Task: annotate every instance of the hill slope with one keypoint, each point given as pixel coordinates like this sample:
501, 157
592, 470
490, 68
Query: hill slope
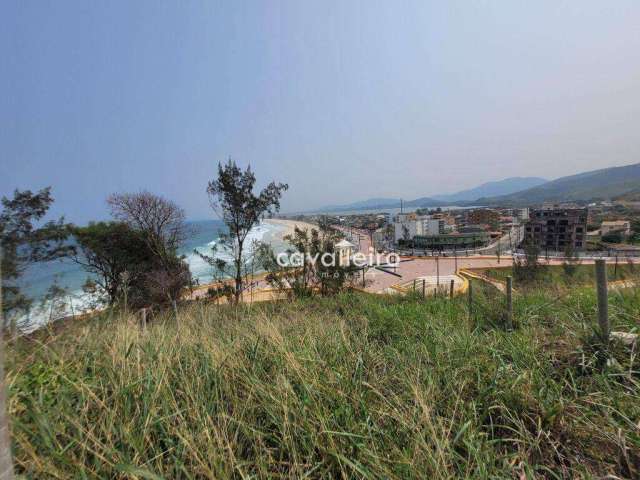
353, 386
493, 189
596, 184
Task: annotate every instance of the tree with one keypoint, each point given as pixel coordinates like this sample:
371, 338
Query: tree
571, 261
23, 242
613, 237
232, 198
161, 223
306, 271
529, 269
117, 256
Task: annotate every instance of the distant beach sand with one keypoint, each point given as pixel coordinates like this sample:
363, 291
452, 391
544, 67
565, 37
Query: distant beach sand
288, 226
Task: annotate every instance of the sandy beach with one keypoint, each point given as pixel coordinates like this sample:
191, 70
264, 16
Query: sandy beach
288, 226
275, 238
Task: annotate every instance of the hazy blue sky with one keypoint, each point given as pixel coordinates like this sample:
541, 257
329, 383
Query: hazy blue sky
342, 100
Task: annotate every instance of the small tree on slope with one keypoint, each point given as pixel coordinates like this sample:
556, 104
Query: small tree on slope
232, 198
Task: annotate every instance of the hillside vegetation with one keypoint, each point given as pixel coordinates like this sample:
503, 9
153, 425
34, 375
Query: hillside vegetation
598, 184
353, 386
492, 189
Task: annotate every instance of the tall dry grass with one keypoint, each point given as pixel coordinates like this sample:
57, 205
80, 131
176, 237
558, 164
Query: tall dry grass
353, 386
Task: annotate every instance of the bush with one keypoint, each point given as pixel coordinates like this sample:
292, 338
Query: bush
613, 237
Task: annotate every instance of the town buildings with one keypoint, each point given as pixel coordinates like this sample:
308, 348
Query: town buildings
409, 225
479, 216
556, 228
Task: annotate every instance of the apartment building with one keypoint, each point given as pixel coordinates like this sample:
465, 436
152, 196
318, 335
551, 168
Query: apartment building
555, 228
410, 225
480, 216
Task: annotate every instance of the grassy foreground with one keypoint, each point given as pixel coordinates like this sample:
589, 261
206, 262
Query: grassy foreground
584, 275
355, 386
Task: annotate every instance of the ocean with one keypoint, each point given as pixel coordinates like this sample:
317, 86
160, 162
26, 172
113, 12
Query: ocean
70, 276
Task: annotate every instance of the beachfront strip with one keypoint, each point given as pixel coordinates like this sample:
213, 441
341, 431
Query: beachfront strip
412, 272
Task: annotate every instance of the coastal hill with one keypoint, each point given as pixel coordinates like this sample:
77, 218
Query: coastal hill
492, 189
489, 189
604, 183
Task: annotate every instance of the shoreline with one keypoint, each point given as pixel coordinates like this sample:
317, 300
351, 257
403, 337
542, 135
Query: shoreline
288, 226
275, 238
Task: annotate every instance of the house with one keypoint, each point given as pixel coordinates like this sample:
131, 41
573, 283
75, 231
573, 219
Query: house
615, 226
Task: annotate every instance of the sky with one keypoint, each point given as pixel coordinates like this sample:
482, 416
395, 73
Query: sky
343, 100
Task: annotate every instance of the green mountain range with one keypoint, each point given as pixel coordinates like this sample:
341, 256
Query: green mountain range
600, 184
492, 189
605, 183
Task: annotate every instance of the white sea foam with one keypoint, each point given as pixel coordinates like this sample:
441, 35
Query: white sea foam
78, 301
203, 272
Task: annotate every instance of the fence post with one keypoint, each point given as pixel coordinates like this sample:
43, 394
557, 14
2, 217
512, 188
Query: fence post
6, 461
603, 301
414, 284
509, 303
451, 290
470, 291
143, 318
424, 286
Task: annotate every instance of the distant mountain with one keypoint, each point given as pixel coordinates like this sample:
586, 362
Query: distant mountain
382, 203
605, 183
370, 204
425, 202
492, 189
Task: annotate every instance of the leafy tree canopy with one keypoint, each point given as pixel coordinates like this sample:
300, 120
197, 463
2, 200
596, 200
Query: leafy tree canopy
25, 240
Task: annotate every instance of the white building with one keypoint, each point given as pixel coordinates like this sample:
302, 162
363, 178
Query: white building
522, 214
408, 225
345, 251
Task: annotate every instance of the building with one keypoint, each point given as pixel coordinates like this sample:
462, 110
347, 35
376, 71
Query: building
345, 250
483, 215
452, 241
434, 226
406, 226
615, 226
555, 228
409, 225
522, 214
382, 238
